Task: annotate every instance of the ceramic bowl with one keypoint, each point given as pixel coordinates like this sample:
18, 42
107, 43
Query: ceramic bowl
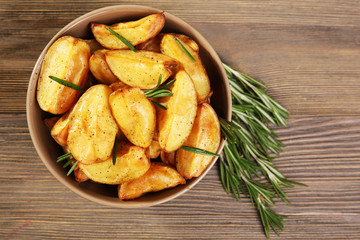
48, 149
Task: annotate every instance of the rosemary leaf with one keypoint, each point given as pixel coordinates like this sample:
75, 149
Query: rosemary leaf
158, 105
115, 150
124, 40
66, 83
199, 151
72, 168
184, 49
63, 157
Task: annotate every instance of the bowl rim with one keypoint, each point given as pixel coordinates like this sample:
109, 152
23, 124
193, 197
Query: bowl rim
34, 78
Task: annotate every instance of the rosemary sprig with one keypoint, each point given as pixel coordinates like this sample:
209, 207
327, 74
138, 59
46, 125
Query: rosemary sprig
115, 150
70, 159
66, 83
249, 143
160, 91
184, 49
124, 40
199, 151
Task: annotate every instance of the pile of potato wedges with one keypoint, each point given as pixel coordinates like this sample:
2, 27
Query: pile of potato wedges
115, 106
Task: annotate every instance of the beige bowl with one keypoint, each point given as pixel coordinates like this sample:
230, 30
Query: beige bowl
48, 149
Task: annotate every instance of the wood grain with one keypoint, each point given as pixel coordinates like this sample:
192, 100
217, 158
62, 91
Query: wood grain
308, 52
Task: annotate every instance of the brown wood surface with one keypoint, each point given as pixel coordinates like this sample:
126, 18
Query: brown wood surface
308, 52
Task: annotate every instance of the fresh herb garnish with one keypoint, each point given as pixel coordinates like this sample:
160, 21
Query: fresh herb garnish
158, 105
70, 159
184, 49
159, 91
115, 150
124, 40
247, 149
199, 151
66, 83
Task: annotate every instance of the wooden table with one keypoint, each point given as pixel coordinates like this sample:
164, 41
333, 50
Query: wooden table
308, 52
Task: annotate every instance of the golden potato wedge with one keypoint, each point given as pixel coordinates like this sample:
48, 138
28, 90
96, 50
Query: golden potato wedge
160, 176
118, 85
170, 47
131, 162
100, 69
92, 127
205, 135
67, 59
134, 114
153, 44
142, 68
168, 158
94, 45
60, 130
175, 123
135, 32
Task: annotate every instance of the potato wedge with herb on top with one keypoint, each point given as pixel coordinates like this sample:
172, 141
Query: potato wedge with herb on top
92, 127
131, 162
175, 123
160, 176
135, 32
171, 47
134, 114
67, 59
142, 68
204, 135
100, 69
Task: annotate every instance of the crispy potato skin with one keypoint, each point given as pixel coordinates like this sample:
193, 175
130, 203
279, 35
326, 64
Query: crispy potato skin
118, 85
170, 47
141, 68
134, 114
92, 128
60, 130
205, 134
160, 176
67, 59
100, 69
135, 32
131, 163
175, 123
153, 44
168, 158
50, 122
94, 45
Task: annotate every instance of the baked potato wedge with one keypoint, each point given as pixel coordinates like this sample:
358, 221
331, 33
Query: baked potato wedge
160, 176
175, 123
131, 163
205, 135
100, 69
141, 69
92, 128
80, 176
135, 32
154, 149
170, 47
50, 122
60, 130
134, 114
67, 59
